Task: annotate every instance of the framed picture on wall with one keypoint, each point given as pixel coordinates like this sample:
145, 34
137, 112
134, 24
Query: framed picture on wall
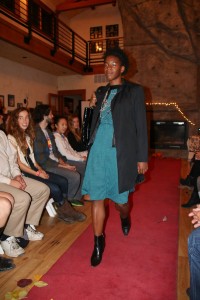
11, 100
19, 105
1, 101
112, 30
96, 32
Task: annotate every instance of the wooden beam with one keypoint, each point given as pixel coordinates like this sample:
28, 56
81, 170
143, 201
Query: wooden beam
73, 4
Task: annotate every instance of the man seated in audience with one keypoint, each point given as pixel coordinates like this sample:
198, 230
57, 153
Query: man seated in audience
194, 254
30, 199
191, 182
6, 205
48, 156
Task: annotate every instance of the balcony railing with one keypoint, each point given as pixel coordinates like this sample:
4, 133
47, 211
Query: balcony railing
38, 20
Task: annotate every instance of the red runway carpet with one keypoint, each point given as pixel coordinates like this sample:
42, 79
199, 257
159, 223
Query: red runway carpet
141, 266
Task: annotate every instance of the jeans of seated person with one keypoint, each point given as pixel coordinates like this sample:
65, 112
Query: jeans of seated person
58, 185
194, 262
74, 181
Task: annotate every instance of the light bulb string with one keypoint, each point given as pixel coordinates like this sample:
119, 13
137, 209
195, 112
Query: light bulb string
171, 104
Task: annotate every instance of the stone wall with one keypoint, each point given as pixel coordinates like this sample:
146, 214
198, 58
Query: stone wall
162, 39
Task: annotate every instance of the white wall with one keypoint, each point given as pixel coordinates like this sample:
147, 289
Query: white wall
77, 82
22, 81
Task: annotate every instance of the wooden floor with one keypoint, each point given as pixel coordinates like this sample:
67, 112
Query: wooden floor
41, 255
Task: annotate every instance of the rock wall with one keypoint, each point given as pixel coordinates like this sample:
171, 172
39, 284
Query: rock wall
162, 38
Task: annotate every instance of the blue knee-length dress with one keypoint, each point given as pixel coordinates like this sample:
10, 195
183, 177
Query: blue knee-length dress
101, 175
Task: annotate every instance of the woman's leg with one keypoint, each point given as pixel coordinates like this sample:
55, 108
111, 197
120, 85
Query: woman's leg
61, 181
98, 217
124, 211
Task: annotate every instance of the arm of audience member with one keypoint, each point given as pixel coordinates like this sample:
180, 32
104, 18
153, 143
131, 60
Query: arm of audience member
12, 157
7, 157
65, 165
66, 150
195, 214
40, 173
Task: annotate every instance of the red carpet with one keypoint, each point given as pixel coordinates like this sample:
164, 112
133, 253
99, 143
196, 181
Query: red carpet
142, 266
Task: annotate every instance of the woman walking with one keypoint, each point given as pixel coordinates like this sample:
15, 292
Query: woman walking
118, 147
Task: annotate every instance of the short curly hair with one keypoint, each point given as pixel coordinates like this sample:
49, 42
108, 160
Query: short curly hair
121, 55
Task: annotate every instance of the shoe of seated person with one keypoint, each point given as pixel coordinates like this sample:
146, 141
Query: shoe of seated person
33, 235
76, 203
6, 264
187, 182
11, 247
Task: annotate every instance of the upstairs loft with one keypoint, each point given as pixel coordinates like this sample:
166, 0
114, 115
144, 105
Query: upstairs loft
32, 26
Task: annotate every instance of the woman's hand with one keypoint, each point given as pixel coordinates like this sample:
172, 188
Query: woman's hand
142, 167
67, 166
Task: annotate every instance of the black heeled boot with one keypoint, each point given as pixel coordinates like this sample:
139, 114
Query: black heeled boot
126, 225
194, 199
124, 210
99, 245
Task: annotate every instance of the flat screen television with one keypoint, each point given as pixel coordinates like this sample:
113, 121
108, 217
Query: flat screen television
168, 134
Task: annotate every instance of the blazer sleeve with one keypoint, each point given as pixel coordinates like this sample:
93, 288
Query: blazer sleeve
141, 124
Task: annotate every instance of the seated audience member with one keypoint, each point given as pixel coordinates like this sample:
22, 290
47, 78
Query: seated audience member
194, 255
50, 159
74, 134
6, 205
21, 136
63, 144
2, 120
30, 199
192, 181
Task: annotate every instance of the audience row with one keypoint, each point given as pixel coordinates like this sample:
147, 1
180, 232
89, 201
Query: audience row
35, 164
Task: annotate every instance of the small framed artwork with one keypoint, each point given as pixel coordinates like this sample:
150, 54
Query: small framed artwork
19, 105
1, 101
112, 30
11, 100
96, 32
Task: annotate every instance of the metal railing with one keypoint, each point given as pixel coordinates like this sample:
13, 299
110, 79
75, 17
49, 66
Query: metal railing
38, 20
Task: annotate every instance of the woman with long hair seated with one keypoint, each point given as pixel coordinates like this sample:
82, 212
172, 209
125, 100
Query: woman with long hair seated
21, 136
74, 133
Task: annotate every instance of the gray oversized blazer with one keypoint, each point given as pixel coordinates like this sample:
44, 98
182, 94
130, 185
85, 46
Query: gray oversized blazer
130, 130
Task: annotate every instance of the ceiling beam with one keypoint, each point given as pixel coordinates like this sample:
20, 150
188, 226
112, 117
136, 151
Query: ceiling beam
74, 4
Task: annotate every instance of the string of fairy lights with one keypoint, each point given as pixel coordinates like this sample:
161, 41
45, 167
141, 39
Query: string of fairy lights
170, 104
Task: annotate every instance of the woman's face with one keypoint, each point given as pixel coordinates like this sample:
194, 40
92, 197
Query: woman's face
113, 69
23, 120
76, 123
61, 126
